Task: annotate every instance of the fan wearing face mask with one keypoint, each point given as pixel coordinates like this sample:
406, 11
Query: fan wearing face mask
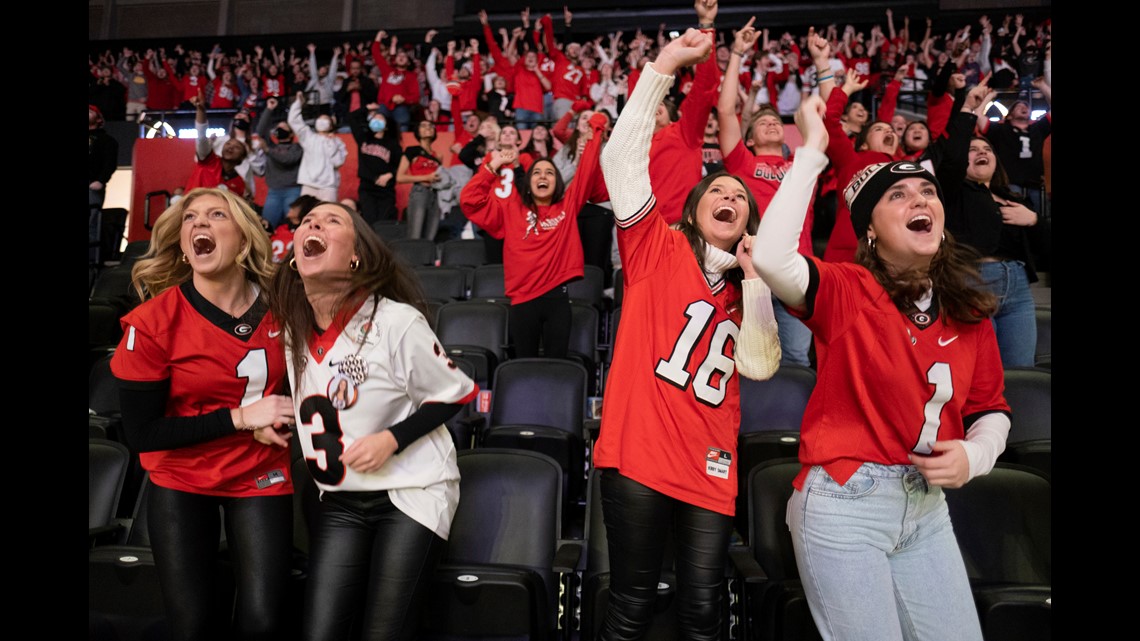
282, 153
324, 153
378, 155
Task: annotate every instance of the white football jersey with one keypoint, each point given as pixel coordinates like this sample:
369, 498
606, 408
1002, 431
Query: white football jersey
379, 370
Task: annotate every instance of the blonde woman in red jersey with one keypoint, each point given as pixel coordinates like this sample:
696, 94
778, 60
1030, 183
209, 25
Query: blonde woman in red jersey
200, 371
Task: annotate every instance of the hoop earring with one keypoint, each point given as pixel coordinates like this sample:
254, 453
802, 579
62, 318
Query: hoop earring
293, 263
871, 243
943, 236
185, 259
354, 264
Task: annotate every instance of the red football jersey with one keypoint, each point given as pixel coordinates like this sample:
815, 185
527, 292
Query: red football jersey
672, 407
209, 368
911, 386
763, 175
282, 242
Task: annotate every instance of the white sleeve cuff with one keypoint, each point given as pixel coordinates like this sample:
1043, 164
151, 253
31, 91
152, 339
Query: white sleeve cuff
758, 345
985, 441
776, 252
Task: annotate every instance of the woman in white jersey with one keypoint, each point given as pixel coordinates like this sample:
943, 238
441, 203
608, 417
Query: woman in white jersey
356, 335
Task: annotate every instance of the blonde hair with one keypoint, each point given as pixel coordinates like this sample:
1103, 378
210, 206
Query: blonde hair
161, 267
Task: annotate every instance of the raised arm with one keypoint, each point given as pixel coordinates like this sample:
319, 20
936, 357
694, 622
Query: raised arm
820, 50
775, 251
730, 127
625, 159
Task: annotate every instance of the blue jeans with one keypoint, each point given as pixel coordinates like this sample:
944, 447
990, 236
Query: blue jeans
548, 107
1015, 321
560, 106
878, 558
526, 119
1032, 193
401, 114
795, 337
277, 204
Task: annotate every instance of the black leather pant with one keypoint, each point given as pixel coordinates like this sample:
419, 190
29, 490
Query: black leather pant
638, 523
367, 554
184, 534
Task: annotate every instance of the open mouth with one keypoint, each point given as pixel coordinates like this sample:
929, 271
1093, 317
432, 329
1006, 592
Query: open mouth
542, 184
725, 214
203, 245
920, 223
313, 246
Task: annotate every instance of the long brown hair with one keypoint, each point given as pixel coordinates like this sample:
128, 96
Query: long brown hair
381, 273
953, 274
691, 229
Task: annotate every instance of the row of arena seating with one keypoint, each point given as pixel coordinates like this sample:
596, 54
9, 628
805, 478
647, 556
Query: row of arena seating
510, 572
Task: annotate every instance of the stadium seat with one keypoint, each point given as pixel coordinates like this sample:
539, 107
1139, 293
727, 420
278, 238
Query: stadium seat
539, 404
487, 283
442, 283
589, 289
1043, 356
476, 330
770, 595
584, 347
770, 416
123, 593
501, 574
390, 230
1003, 523
1028, 390
415, 251
107, 465
462, 252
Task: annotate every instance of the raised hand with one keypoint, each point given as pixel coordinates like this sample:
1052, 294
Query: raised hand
809, 121
745, 37
685, 50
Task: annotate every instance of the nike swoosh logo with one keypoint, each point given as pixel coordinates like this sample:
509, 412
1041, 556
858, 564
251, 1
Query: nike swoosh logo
941, 343
276, 333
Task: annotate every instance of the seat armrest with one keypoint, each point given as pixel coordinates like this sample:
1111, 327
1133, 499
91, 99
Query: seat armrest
743, 565
592, 428
567, 556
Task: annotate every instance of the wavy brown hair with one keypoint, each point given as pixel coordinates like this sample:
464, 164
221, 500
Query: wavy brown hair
953, 274
691, 229
161, 267
381, 273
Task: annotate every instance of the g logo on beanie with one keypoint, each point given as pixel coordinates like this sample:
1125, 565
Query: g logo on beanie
868, 186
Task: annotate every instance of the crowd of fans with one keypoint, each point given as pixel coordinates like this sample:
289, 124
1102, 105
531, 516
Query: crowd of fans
496, 73
539, 80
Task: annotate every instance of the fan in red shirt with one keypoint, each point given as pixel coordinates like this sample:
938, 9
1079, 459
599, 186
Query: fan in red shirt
399, 84
542, 250
676, 158
530, 85
566, 79
502, 65
465, 83
162, 93
875, 143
